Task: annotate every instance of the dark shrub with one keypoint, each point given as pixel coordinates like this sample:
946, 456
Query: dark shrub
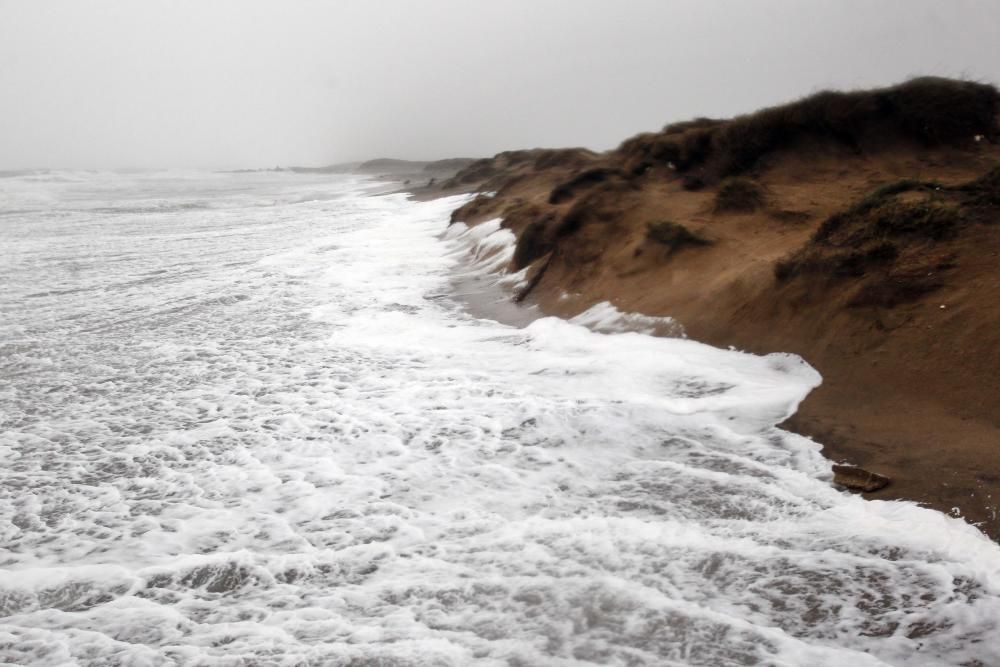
928, 110
924, 219
563, 157
896, 289
876, 198
693, 182
937, 110
602, 203
881, 193
889, 218
739, 195
840, 264
985, 190
869, 237
875, 231
790, 216
856, 262
693, 124
741, 142
585, 179
785, 269
673, 235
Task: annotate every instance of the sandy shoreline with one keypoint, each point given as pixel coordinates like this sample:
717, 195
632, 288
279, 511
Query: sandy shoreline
871, 426
907, 341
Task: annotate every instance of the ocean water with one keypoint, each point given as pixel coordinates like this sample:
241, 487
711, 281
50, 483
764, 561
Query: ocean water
245, 421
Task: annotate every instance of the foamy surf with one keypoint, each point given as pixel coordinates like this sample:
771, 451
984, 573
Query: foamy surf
253, 431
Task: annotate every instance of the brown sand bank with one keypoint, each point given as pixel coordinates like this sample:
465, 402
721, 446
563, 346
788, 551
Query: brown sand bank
859, 230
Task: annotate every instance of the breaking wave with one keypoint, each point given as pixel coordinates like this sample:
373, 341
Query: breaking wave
258, 433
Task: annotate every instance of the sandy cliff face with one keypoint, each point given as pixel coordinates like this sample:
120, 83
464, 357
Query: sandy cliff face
859, 230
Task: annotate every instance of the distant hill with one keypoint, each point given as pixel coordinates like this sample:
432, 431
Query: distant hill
342, 168
379, 166
394, 166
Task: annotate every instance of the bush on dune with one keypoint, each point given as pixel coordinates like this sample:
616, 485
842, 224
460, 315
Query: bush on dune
928, 110
563, 157
893, 238
739, 195
985, 190
585, 179
673, 235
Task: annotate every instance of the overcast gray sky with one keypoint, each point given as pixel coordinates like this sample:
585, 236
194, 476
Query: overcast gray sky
227, 83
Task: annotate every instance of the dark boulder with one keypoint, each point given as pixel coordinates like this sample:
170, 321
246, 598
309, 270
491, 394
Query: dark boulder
858, 479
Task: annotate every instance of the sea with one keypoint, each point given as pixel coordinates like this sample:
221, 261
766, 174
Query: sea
254, 419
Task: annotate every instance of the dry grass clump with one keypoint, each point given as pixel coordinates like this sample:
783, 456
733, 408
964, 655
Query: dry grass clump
701, 123
882, 227
585, 179
853, 242
928, 110
679, 150
887, 241
879, 214
789, 216
985, 190
601, 204
563, 157
854, 262
739, 195
930, 220
673, 235
897, 288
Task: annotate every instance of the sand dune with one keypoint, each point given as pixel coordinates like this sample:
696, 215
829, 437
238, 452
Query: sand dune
856, 229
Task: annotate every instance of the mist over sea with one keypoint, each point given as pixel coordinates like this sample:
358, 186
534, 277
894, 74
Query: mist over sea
244, 420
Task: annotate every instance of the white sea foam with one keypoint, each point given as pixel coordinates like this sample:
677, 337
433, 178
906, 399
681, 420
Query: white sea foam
484, 251
606, 318
255, 432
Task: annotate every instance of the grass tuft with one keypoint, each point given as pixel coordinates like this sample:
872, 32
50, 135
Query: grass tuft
927, 110
985, 190
673, 235
739, 195
585, 179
